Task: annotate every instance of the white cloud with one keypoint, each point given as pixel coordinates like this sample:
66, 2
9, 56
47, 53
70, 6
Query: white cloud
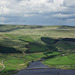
4, 10
33, 8
59, 2
30, 6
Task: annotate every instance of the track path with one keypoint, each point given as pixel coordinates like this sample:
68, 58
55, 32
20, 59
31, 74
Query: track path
3, 65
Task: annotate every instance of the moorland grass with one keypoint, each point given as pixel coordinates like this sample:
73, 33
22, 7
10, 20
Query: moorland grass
19, 36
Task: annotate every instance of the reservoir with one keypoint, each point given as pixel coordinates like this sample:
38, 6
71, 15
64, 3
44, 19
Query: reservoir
37, 68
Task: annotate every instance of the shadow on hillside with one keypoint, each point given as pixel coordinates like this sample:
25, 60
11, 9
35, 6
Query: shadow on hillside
52, 41
4, 49
49, 41
8, 30
34, 27
69, 39
1, 25
34, 47
65, 27
17, 28
8, 72
24, 40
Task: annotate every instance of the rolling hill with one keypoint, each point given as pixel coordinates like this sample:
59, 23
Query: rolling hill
24, 43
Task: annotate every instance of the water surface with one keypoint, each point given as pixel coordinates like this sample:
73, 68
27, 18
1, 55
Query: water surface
37, 68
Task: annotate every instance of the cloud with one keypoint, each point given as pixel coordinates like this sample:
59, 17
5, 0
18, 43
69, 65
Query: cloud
70, 3
47, 10
30, 6
64, 16
2, 19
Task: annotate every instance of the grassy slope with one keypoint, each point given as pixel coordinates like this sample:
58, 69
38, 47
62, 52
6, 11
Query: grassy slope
66, 46
19, 36
15, 62
62, 61
21, 62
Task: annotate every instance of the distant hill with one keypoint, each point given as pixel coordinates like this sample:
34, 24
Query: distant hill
65, 27
37, 37
8, 28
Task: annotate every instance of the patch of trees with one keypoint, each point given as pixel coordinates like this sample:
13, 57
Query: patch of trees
52, 48
47, 52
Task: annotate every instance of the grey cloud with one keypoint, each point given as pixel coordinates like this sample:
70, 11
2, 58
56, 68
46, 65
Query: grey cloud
21, 0
69, 2
50, 0
37, 11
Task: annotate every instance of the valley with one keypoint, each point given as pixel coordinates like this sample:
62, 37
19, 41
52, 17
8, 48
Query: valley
21, 44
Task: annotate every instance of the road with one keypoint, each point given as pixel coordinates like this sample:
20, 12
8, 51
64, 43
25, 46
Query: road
3, 65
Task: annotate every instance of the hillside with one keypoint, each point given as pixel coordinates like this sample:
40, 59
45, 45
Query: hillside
24, 43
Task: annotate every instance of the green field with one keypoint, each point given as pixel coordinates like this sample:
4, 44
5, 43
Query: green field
20, 44
61, 62
16, 62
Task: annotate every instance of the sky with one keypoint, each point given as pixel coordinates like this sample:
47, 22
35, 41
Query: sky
37, 12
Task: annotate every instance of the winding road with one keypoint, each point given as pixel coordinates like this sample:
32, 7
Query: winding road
37, 68
3, 65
